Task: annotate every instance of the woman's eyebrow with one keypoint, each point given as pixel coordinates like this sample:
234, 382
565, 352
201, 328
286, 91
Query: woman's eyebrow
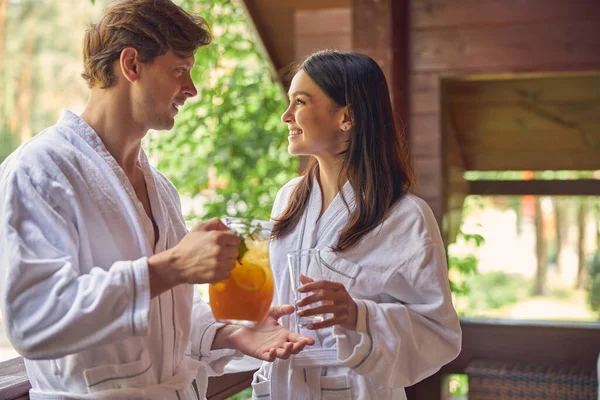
301, 93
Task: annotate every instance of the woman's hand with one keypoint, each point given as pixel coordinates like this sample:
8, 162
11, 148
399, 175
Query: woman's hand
334, 299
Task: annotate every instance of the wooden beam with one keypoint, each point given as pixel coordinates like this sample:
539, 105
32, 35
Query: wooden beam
532, 342
225, 386
401, 68
552, 343
13, 379
579, 187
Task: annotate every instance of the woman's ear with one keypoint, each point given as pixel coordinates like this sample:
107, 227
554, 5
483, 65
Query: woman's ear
346, 120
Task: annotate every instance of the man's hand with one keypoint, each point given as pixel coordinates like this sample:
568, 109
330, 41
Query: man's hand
205, 255
267, 341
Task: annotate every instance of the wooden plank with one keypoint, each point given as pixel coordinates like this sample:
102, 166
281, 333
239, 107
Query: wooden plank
323, 21
372, 33
224, 386
435, 203
268, 5
399, 87
532, 342
427, 14
526, 161
556, 89
13, 379
470, 87
308, 44
425, 135
275, 27
580, 187
428, 171
525, 116
558, 45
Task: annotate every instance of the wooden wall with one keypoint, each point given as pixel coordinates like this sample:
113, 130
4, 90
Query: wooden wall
454, 38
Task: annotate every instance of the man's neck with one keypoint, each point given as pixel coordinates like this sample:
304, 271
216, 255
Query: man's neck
111, 118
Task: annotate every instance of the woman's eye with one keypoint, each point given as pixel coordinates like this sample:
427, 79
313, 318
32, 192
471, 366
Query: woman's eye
298, 101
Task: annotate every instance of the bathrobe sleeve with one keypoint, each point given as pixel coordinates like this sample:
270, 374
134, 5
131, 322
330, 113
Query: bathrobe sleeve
50, 308
412, 329
204, 329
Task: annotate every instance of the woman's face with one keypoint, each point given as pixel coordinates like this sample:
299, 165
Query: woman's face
316, 123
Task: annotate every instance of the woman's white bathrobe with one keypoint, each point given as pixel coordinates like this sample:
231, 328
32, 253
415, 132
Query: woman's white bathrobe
407, 327
74, 290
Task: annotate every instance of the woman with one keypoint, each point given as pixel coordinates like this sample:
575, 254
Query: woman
385, 288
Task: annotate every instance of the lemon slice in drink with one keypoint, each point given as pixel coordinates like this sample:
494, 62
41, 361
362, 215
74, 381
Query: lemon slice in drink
249, 277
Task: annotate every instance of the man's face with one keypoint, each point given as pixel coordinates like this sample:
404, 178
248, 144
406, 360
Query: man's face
164, 85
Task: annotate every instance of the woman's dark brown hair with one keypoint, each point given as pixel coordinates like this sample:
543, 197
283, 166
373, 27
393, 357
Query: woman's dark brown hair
375, 160
152, 27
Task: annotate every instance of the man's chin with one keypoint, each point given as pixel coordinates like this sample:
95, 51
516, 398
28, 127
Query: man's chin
164, 125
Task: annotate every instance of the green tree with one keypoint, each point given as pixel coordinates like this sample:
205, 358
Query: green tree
594, 289
229, 138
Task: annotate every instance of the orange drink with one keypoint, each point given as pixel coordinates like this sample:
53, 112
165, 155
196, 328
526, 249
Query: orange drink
245, 297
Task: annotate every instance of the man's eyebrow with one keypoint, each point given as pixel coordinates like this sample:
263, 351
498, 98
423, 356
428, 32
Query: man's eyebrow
299, 92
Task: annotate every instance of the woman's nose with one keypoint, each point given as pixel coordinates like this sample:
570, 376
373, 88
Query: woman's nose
287, 116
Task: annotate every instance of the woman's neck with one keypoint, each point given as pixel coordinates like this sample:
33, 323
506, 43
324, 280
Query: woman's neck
329, 173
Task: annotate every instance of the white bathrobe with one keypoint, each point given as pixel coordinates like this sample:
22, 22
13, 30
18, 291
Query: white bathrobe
74, 289
407, 327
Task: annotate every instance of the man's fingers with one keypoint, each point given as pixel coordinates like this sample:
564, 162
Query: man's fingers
214, 224
269, 355
279, 311
285, 351
227, 238
296, 338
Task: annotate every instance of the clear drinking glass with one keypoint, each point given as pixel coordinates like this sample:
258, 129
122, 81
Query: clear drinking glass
245, 297
304, 262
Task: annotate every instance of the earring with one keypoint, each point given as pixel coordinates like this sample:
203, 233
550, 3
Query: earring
345, 127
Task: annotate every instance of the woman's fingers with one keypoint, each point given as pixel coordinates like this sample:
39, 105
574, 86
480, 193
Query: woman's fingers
337, 310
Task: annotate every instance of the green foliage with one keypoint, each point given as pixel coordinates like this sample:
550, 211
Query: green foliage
245, 394
233, 126
458, 385
8, 142
496, 289
594, 291
462, 268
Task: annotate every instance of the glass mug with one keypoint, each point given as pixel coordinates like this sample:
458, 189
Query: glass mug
245, 297
305, 262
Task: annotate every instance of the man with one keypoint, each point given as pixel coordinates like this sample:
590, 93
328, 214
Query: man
96, 265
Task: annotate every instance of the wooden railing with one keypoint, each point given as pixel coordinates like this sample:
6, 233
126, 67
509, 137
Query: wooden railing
533, 342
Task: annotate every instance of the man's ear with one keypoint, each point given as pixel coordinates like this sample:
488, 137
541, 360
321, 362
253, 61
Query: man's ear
129, 64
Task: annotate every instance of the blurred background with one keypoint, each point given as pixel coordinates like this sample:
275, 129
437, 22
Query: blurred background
499, 99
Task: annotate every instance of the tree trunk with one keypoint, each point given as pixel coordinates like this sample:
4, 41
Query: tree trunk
516, 203
20, 121
597, 201
540, 250
581, 271
3, 14
560, 230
